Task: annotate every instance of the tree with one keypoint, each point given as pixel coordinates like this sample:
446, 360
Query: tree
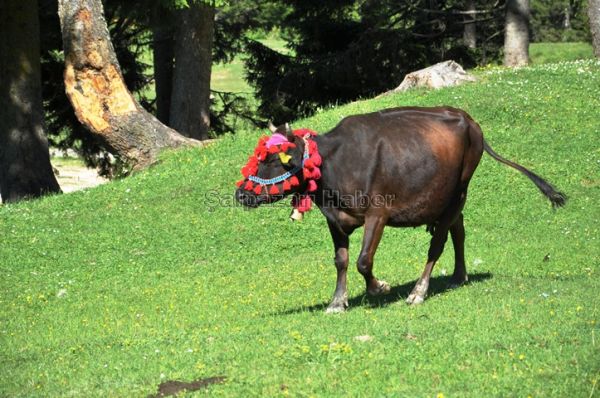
470, 32
516, 35
135, 28
594, 15
163, 53
96, 89
190, 99
559, 20
25, 169
129, 37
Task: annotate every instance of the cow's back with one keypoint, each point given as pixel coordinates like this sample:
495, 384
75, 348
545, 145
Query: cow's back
413, 157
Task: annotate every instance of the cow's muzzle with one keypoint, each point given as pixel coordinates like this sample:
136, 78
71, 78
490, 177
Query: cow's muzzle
246, 199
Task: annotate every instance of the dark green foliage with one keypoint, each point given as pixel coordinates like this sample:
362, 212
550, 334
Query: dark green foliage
230, 111
237, 18
347, 49
550, 22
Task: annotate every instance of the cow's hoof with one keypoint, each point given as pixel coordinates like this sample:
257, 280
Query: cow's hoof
382, 288
336, 308
457, 282
414, 299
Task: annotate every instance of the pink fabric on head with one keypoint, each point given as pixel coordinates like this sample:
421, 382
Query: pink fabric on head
276, 139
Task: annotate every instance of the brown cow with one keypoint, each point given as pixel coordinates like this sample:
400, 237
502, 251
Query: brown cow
400, 167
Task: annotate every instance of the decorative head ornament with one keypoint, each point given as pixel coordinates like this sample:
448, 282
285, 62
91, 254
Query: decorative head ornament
284, 183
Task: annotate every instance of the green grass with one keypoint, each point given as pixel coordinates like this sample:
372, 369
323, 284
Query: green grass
230, 76
544, 53
110, 291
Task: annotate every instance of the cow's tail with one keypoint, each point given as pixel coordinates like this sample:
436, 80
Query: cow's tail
557, 199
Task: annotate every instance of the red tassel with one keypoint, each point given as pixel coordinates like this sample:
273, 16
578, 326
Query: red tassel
261, 153
302, 132
312, 186
302, 203
286, 185
248, 186
316, 159
273, 149
239, 183
274, 190
316, 173
258, 189
287, 145
294, 181
306, 173
309, 164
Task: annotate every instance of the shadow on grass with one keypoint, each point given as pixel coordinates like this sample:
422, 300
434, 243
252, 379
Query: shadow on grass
437, 285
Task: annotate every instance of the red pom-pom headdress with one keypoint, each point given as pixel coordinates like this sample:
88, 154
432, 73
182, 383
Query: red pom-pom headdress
277, 143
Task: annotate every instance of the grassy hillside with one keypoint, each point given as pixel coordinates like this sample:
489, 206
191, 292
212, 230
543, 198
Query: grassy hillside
543, 53
111, 291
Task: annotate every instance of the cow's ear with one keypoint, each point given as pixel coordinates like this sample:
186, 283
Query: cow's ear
289, 133
297, 152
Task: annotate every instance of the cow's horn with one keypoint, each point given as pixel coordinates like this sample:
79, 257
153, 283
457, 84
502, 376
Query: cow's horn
272, 127
288, 129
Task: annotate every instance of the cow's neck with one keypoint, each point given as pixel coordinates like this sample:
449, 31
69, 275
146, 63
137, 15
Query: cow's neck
334, 171
327, 147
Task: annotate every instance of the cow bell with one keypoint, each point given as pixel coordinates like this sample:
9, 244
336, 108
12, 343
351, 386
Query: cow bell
296, 215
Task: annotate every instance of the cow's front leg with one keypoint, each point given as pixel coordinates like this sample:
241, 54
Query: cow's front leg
373, 230
340, 243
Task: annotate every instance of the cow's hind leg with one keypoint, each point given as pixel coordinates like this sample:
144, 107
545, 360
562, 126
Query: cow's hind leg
436, 247
340, 243
457, 232
374, 226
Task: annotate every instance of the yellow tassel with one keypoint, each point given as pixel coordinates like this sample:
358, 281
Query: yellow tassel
285, 158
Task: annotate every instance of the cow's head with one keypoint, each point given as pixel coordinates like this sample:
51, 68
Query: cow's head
275, 170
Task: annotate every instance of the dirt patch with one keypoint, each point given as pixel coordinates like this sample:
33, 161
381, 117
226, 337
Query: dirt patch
74, 177
173, 387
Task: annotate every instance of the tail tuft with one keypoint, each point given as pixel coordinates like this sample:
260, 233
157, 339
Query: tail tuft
558, 199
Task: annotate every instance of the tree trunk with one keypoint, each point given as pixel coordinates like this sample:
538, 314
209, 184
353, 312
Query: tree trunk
470, 33
190, 102
97, 91
25, 169
516, 36
163, 52
594, 15
567, 17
